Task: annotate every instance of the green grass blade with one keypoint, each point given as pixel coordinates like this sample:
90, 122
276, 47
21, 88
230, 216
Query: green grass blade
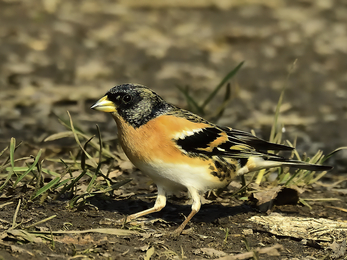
294, 152
221, 84
46, 187
84, 196
83, 155
114, 186
260, 176
5, 163
76, 179
105, 152
62, 183
193, 105
317, 178
95, 175
304, 202
7, 179
226, 101
288, 179
100, 143
51, 173
91, 183
17, 169
332, 153
79, 143
68, 187
40, 222
245, 185
11, 172
23, 169
58, 136
39, 183
274, 128
316, 157
28, 169
12, 149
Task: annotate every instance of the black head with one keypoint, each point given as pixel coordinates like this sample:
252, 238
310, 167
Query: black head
136, 104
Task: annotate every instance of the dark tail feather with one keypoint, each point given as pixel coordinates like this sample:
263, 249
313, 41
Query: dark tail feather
274, 147
304, 166
255, 163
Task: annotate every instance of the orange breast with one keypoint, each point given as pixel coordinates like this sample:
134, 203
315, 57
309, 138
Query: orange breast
153, 141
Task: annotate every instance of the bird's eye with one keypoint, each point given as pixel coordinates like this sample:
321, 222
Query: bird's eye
126, 98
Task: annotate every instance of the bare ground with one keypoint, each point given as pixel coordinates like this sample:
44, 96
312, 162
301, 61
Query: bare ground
205, 236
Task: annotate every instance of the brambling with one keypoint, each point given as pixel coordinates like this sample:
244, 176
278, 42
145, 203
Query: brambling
182, 151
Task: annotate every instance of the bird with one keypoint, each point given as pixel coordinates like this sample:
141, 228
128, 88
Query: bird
179, 150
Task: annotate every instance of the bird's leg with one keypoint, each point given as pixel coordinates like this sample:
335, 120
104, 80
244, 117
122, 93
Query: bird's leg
195, 209
158, 205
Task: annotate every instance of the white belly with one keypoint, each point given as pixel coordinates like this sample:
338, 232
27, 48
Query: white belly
174, 177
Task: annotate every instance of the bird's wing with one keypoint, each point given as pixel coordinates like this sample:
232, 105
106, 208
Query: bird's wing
253, 141
212, 140
216, 141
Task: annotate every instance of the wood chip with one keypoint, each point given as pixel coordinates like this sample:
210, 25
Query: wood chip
271, 251
303, 228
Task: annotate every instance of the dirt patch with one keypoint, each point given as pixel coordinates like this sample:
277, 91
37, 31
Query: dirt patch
223, 225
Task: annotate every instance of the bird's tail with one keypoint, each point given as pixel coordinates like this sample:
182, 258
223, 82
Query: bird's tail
256, 163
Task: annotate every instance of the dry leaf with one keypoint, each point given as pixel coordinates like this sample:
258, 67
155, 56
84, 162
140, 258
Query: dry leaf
265, 200
17, 249
210, 252
149, 253
339, 249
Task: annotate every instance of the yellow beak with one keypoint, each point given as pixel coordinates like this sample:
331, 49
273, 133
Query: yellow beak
104, 105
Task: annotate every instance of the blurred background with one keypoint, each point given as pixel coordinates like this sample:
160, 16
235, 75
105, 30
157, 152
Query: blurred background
59, 55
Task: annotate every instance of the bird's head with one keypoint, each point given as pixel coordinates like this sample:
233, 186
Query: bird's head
134, 103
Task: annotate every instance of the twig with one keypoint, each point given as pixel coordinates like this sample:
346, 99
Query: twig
251, 254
